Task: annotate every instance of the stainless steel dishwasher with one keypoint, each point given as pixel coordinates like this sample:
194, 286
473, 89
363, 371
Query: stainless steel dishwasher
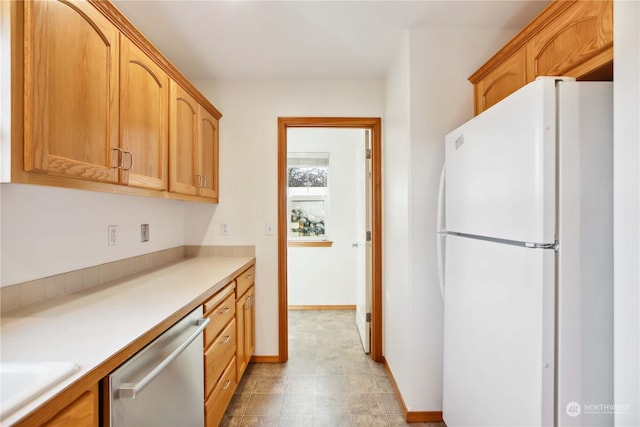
162, 384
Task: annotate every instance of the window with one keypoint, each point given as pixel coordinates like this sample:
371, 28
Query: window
308, 194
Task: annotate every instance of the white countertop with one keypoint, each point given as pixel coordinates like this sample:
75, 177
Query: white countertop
89, 327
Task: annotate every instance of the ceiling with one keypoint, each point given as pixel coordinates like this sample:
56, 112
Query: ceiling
299, 39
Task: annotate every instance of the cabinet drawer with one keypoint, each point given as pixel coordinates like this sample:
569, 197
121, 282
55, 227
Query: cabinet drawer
220, 315
218, 355
245, 280
216, 404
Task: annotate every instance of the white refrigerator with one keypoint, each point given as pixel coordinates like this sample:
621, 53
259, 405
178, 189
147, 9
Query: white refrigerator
525, 237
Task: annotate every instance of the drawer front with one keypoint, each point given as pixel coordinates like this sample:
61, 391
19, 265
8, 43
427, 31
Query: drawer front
245, 280
220, 316
216, 404
218, 355
219, 296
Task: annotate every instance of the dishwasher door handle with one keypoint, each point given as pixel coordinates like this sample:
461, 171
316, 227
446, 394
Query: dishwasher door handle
130, 390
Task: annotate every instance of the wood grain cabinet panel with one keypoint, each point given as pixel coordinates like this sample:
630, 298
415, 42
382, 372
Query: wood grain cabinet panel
193, 147
71, 55
183, 141
216, 404
83, 412
576, 43
219, 317
245, 330
246, 279
508, 77
144, 116
218, 355
208, 152
569, 38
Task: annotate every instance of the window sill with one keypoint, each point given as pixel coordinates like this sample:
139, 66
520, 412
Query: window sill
310, 243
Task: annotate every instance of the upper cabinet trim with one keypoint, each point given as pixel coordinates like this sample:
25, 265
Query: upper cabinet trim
520, 40
111, 12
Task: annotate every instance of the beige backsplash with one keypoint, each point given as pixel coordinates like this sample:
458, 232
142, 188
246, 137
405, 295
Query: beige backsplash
35, 291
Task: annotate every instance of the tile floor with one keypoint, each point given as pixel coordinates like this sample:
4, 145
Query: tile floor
328, 381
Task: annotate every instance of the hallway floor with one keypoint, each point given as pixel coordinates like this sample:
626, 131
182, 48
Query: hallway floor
328, 380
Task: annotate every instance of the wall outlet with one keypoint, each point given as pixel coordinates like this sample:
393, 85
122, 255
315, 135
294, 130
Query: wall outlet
112, 235
144, 232
225, 229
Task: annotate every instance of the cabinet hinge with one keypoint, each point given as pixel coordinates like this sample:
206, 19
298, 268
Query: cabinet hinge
368, 317
368, 236
368, 153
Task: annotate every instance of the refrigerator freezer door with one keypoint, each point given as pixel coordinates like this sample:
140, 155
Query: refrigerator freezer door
501, 168
499, 334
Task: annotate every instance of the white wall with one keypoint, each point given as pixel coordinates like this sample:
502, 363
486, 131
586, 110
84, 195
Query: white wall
248, 174
627, 211
396, 157
327, 275
428, 84
47, 230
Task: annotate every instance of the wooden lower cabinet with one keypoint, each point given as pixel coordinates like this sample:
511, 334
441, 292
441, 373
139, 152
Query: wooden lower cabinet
83, 412
217, 402
245, 329
245, 280
220, 351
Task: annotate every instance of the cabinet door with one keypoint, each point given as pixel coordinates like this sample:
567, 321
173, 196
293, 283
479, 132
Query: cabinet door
83, 412
71, 87
508, 77
577, 42
183, 141
208, 144
144, 115
250, 325
245, 327
241, 355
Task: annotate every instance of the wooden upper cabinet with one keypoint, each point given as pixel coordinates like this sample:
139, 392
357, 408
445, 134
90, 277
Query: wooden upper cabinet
508, 77
208, 151
97, 104
144, 115
71, 87
193, 146
575, 44
183, 141
569, 38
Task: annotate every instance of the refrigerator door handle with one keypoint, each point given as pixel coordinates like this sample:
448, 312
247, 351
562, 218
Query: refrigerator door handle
440, 232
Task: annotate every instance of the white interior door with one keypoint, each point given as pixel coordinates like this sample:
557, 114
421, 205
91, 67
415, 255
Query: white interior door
363, 245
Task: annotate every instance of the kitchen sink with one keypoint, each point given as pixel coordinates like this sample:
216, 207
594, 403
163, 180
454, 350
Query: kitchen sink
20, 382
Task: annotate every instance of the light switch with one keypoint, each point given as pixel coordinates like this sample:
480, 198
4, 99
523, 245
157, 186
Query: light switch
144, 232
225, 229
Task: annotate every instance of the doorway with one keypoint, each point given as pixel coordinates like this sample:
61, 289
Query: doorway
372, 126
